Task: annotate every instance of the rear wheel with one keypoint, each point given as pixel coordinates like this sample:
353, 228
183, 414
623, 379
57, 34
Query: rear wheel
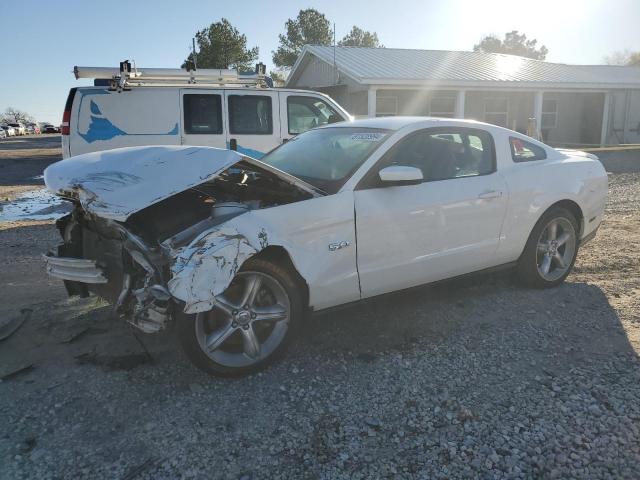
551, 249
251, 324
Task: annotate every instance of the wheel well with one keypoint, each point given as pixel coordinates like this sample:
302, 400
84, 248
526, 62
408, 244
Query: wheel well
575, 209
279, 255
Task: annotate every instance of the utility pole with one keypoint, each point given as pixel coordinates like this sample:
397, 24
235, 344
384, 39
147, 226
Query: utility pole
193, 47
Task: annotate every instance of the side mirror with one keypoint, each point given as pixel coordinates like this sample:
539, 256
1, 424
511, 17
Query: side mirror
400, 175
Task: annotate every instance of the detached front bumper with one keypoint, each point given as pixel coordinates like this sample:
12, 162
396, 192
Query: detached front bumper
79, 270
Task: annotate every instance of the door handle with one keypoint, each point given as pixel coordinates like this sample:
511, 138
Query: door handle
490, 194
233, 144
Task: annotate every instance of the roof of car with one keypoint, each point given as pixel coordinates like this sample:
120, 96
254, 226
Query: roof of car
396, 123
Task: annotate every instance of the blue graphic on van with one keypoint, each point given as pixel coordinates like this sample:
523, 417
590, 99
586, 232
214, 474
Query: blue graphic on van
257, 154
101, 128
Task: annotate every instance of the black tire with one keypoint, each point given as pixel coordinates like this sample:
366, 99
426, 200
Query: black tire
527, 268
186, 324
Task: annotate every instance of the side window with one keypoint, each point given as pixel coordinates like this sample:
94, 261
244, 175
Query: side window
444, 154
305, 113
523, 151
202, 114
250, 115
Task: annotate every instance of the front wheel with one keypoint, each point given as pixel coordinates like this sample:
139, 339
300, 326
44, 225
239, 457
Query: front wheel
251, 323
551, 250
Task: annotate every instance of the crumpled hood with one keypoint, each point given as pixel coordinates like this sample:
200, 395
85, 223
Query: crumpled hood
116, 183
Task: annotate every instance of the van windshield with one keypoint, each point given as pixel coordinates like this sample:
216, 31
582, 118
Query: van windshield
326, 157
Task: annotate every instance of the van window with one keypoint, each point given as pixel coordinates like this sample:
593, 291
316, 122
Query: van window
305, 113
523, 151
250, 115
202, 114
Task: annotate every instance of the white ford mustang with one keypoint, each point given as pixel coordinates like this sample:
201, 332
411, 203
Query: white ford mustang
236, 251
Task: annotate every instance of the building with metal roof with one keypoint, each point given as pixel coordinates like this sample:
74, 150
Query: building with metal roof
564, 104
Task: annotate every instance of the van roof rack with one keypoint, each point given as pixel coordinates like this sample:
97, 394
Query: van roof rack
128, 75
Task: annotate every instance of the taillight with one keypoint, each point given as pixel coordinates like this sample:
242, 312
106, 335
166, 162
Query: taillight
66, 116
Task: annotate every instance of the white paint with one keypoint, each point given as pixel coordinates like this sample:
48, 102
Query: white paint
460, 98
205, 267
605, 119
537, 112
117, 183
150, 116
406, 235
371, 102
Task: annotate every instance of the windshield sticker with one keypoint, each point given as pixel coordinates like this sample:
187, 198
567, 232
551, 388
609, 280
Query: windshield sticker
368, 137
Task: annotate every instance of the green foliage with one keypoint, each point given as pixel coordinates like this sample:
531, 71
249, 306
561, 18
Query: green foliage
221, 45
514, 43
310, 27
360, 38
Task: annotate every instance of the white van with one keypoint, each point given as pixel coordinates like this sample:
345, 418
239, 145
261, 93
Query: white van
161, 109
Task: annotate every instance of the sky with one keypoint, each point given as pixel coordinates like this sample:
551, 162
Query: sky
42, 39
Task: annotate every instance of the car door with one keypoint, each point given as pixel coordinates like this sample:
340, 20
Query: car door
254, 121
445, 226
203, 122
300, 112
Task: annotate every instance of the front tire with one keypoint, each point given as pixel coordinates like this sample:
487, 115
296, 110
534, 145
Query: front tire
551, 249
251, 325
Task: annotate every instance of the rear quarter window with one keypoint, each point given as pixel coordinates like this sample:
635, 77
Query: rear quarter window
523, 151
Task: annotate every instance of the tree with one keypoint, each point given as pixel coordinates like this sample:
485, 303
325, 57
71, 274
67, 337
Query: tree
623, 57
279, 77
13, 115
310, 27
514, 43
360, 38
221, 45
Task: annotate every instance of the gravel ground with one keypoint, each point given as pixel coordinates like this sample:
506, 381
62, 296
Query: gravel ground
474, 378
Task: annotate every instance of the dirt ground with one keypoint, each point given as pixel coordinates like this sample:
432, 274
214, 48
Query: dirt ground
360, 395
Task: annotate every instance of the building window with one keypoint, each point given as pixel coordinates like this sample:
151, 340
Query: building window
496, 111
549, 118
442, 107
386, 106
250, 115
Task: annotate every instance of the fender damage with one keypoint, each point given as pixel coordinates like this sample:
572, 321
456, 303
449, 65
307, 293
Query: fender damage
165, 236
205, 268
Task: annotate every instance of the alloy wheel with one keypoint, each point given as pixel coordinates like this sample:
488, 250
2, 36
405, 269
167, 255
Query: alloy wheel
247, 323
556, 249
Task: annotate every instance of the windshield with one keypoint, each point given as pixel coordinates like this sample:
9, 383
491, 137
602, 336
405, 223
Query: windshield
326, 157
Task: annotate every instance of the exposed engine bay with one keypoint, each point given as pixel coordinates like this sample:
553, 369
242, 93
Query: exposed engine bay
129, 263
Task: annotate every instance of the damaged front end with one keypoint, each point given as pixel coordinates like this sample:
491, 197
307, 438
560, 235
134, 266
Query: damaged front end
148, 265
107, 259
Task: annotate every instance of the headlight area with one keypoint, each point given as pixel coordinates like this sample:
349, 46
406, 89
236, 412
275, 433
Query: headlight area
106, 258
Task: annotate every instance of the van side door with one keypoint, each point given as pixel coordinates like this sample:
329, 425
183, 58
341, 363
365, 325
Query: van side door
300, 112
253, 118
202, 119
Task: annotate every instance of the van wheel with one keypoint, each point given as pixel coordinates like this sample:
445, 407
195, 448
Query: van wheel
251, 324
551, 250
